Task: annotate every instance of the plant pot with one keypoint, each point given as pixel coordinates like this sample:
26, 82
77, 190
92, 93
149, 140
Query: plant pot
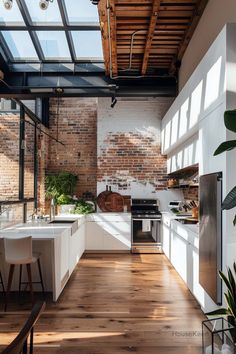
66, 208
217, 336
231, 320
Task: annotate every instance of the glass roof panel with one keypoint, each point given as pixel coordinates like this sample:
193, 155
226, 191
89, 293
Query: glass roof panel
11, 17
88, 44
81, 11
54, 45
51, 16
20, 45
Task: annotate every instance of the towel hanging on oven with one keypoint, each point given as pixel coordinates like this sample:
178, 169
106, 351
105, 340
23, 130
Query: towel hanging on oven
146, 225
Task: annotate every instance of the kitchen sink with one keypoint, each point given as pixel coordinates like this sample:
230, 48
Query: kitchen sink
61, 221
74, 224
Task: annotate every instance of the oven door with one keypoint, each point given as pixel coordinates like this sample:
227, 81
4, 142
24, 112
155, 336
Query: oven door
145, 231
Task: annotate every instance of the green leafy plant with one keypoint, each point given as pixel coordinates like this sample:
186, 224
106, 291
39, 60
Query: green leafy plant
230, 123
64, 199
63, 183
230, 297
82, 207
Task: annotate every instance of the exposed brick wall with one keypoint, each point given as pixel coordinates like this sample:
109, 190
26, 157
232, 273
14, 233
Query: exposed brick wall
77, 129
132, 157
9, 156
129, 151
191, 193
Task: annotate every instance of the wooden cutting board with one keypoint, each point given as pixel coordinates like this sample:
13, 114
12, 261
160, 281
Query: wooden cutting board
114, 202
101, 200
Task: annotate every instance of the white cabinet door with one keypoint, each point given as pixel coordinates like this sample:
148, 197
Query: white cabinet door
108, 236
94, 237
179, 249
117, 235
196, 288
166, 239
77, 246
64, 254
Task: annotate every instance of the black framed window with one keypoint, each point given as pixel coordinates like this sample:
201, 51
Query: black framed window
18, 166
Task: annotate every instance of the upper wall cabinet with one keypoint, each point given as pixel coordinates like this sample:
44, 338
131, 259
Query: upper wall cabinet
210, 85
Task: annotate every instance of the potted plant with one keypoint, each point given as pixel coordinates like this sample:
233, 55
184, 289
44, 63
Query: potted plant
61, 188
230, 123
83, 207
230, 297
66, 203
228, 203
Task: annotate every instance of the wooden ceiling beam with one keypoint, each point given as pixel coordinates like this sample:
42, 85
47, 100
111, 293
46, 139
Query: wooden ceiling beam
200, 7
113, 37
150, 35
102, 11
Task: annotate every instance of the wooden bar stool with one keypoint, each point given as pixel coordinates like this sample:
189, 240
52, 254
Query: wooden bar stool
18, 251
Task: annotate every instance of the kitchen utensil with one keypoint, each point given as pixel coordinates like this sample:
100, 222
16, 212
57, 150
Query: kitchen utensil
102, 198
114, 202
195, 212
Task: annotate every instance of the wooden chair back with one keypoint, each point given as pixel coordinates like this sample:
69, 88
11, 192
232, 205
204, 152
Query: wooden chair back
19, 344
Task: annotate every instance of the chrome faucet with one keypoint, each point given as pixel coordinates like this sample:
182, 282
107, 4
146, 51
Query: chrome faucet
52, 209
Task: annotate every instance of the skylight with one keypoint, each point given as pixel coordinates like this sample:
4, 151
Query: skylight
82, 43
67, 31
81, 11
54, 45
12, 17
20, 45
50, 17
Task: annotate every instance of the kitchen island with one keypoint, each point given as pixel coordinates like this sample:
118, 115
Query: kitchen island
61, 245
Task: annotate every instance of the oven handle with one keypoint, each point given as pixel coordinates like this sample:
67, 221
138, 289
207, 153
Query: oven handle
146, 219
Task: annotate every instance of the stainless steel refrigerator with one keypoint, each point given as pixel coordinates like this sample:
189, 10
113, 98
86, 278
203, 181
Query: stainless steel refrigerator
210, 235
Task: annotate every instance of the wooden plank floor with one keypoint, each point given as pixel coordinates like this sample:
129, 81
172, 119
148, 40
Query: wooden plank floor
116, 304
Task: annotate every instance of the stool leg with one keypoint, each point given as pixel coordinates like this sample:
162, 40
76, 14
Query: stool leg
10, 277
40, 275
20, 276
30, 282
1, 280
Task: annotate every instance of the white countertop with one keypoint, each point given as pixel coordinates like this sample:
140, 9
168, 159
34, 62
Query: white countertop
37, 229
192, 227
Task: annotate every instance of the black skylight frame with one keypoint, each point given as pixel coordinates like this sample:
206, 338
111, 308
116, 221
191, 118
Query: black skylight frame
31, 28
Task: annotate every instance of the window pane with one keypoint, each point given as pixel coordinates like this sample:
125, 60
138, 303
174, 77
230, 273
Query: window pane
29, 159
8, 105
20, 45
81, 11
11, 17
11, 214
54, 44
9, 156
50, 16
30, 211
88, 44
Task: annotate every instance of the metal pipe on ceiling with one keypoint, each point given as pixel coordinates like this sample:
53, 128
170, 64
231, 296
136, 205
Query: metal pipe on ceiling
131, 54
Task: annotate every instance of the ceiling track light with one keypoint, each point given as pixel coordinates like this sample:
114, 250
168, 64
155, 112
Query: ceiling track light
7, 4
43, 4
95, 2
113, 101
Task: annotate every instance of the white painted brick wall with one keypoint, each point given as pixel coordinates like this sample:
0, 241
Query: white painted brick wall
136, 116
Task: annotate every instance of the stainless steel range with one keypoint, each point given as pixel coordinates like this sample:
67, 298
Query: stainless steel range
145, 224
